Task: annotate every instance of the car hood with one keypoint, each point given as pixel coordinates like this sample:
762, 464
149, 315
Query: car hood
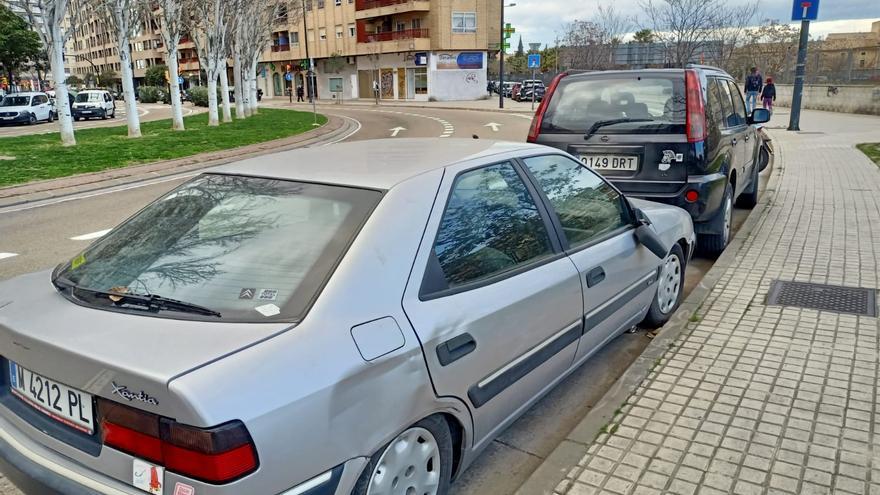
91, 349
14, 109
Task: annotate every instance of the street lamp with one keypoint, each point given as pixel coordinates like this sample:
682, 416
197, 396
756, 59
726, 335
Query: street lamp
501, 57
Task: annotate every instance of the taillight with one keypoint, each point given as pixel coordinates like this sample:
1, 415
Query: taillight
695, 117
214, 455
537, 120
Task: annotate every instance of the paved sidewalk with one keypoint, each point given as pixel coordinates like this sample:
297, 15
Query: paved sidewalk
751, 398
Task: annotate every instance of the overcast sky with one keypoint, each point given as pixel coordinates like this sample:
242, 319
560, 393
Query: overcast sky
539, 20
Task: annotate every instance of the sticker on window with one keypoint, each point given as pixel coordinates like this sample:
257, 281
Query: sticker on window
268, 294
268, 310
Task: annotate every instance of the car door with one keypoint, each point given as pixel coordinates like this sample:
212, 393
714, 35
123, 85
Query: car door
496, 305
731, 127
747, 139
617, 273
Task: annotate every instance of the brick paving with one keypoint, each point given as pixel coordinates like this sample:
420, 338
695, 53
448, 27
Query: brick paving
756, 399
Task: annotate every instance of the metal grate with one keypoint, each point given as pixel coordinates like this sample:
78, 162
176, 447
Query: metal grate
853, 300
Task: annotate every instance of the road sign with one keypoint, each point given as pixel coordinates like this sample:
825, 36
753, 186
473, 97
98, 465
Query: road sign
288, 76
805, 10
179, 79
535, 61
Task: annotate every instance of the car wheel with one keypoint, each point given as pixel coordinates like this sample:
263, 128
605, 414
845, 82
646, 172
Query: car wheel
51, 117
763, 157
104, 115
749, 197
32, 119
714, 244
418, 461
670, 289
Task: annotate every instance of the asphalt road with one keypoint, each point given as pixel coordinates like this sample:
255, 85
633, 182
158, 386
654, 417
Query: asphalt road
37, 237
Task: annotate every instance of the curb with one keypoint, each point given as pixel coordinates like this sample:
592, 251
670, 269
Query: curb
335, 128
566, 455
342, 105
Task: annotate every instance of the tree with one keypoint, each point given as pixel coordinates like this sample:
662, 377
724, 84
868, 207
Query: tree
18, 44
46, 17
643, 36
685, 26
107, 78
125, 17
771, 46
253, 34
171, 25
548, 59
589, 44
155, 75
729, 32
208, 30
74, 80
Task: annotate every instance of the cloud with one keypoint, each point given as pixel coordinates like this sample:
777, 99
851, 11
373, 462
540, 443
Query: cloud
541, 20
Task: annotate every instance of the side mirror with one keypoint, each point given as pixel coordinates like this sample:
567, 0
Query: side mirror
647, 237
759, 116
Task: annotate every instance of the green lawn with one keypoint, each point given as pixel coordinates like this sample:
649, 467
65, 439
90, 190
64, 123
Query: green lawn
872, 150
36, 157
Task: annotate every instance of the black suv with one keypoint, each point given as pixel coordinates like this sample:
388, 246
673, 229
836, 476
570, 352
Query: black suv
676, 136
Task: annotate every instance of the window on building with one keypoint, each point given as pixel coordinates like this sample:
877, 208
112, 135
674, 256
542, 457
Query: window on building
339, 32
338, 3
421, 80
401, 26
352, 31
308, 5
140, 64
464, 22
417, 23
294, 38
322, 34
320, 4
862, 63
281, 17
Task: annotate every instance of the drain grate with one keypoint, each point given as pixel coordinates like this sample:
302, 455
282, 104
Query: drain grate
853, 300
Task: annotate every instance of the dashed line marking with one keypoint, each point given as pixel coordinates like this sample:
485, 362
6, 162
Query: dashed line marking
90, 236
3, 256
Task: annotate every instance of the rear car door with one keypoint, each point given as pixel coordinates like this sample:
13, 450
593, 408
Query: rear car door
734, 129
617, 273
496, 304
747, 139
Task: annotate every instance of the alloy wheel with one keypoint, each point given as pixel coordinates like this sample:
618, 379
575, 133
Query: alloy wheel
669, 288
410, 465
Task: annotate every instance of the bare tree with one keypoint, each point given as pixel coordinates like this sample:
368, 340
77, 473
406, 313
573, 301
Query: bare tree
125, 16
730, 31
771, 46
590, 44
687, 27
171, 26
47, 18
207, 28
253, 36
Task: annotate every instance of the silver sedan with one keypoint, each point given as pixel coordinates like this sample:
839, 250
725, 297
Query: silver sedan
356, 319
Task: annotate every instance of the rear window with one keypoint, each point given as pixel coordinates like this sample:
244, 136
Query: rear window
252, 249
579, 102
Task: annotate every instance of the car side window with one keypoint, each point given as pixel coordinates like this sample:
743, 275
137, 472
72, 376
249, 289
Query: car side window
587, 206
730, 117
714, 110
491, 225
739, 106
106, 97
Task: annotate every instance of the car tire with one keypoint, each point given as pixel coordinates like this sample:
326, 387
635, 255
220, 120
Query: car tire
432, 431
51, 117
749, 197
713, 244
670, 289
104, 115
763, 157
32, 119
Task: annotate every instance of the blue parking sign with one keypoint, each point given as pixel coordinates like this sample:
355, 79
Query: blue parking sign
805, 10
535, 61
288, 76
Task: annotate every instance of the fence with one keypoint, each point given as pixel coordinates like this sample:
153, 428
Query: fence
846, 99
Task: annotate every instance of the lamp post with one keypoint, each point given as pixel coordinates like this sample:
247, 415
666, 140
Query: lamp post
311, 84
501, 57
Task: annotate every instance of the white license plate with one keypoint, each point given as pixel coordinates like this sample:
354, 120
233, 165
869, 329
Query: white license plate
60, 402
86, 111
611, 162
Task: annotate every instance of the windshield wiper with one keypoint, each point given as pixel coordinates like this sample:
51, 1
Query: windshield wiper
603, 123
151, 302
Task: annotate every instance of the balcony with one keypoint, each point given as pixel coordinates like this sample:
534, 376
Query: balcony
280, 48
365, 9
393, 41
406, 34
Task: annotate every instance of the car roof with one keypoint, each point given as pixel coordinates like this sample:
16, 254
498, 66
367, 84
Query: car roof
706, 68
373, 164
26, 93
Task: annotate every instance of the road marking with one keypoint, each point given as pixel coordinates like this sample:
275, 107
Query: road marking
396, 131
493, 125
350, 134
88, 237
3, 256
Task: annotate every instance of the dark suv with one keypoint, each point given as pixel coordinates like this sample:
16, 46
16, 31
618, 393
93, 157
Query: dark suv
676, 136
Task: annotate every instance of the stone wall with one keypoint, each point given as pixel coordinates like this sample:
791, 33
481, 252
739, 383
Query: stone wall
847, 99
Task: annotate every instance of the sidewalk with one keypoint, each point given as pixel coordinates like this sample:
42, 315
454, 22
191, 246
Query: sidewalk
749, 398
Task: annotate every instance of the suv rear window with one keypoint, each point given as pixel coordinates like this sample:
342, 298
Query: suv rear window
581, 101
228, 243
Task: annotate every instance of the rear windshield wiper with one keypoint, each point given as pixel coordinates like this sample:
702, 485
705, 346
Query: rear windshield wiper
151, 302
602, 123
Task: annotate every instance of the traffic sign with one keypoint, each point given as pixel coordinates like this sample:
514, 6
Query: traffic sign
805, 10
535, 61
288, 76
179, 79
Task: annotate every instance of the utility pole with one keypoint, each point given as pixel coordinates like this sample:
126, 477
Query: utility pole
803, 11
310, 86
502, 41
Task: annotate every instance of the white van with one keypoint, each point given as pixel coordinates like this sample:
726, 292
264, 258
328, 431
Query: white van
92, 103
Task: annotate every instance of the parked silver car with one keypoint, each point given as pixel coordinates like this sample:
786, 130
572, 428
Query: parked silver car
355, 319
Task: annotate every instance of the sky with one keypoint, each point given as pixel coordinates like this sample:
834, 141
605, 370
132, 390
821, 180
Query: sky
539, 20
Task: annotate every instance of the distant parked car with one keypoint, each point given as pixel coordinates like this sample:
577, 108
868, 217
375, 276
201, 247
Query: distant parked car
528, 87
91, 103
514, 91
26, 108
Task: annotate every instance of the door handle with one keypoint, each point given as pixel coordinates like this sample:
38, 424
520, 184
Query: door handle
595, 276
455, 348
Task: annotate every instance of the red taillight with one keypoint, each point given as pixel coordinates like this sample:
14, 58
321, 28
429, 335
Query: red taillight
535, 128
215, 455
691, 196
696, 110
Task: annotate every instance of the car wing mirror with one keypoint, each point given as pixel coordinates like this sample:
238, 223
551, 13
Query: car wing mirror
646, 235
759, 116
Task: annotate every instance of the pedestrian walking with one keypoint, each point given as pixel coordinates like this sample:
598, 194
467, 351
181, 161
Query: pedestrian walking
768, 95
754, 83
299, 94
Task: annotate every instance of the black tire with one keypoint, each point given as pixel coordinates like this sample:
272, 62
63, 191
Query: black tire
749, 197
656, 318
32, 119
51, 117
713, 244
104, 115
763, 157
438, 427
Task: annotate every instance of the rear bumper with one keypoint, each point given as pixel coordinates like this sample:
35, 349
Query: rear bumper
710, 192
92, 113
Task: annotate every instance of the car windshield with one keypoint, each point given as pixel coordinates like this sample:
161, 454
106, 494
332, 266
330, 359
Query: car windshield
15, 101
252, 249
86, 97
578, 103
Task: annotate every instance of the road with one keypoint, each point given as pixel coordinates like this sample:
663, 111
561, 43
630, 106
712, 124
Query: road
38, 237
147, 111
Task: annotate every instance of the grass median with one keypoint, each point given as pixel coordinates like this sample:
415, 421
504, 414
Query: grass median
872, 150
41, 156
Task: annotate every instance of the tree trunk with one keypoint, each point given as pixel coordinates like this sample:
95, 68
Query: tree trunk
237, 81
252, 76
245, 90
176, 104
131, 114
56, 57
224, 94
213, 117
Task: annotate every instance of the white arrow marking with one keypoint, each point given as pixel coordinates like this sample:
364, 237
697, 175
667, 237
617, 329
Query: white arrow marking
396, 131
493, 125
88, 237
7, 255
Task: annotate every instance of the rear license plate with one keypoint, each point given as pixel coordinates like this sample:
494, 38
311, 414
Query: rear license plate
611, 162
60, 402
86, 111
